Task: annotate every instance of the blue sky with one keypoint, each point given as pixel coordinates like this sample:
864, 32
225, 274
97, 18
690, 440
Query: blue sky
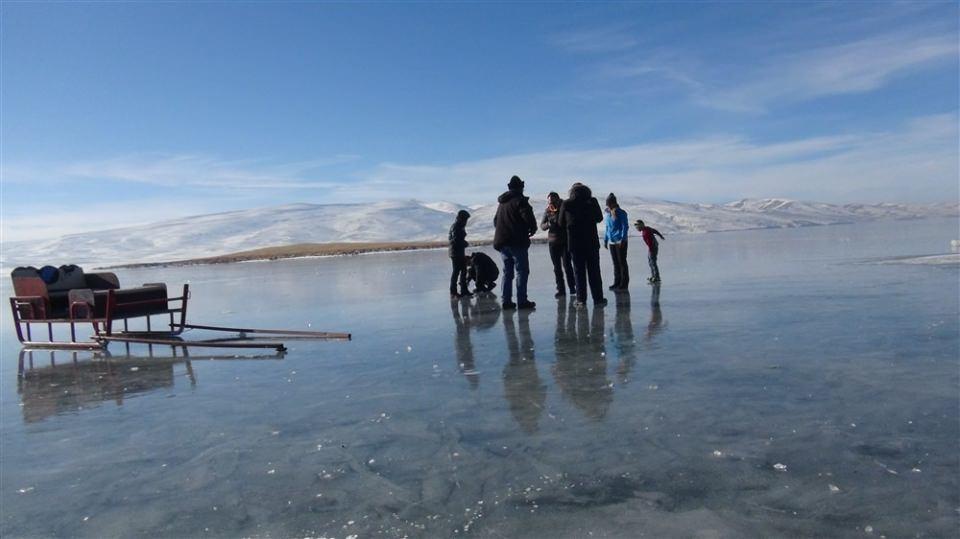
122, 113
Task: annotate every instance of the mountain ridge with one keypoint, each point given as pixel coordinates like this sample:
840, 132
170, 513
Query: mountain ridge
410, 220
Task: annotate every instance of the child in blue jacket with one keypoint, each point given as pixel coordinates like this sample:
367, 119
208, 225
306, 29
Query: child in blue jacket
615, 240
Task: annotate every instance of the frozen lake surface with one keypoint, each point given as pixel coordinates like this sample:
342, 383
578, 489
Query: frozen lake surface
784, 383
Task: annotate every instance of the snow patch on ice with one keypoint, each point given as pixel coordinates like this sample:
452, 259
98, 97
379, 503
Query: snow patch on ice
952, 259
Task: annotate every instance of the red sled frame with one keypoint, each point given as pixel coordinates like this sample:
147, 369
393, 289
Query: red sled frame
25, 313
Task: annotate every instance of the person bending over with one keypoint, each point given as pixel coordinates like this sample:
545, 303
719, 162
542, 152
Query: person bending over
650, 238
483, 271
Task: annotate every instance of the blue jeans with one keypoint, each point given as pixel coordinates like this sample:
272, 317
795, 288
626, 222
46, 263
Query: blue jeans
515, 261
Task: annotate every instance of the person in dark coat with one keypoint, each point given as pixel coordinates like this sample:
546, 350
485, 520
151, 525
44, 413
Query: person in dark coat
579, 216
615, 239
458, 254
557, 243
513, 224
483, 271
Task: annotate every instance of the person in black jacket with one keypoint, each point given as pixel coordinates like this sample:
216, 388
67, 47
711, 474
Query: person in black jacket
579, 216
483, 271
514, 223
458, 254
557, 243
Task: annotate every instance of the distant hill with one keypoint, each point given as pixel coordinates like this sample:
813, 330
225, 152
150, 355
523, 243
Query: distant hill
410, 221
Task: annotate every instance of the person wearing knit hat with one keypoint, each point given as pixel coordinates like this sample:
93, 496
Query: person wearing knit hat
615, 239
513, 224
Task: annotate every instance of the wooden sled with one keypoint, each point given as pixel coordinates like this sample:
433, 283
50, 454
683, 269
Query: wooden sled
97, 299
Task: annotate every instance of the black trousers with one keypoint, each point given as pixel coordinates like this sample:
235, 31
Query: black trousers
652, 260
586, 267
621, 272
459, 274
562, 264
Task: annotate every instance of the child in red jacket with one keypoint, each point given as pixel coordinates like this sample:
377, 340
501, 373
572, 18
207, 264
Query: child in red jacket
650, 238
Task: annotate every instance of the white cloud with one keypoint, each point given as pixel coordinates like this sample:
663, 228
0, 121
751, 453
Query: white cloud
607, 38
189, 170
851, 68
918, 162
857, 66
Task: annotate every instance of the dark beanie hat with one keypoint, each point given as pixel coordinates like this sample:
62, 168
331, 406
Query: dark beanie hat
611, 199
515, 183
463, 215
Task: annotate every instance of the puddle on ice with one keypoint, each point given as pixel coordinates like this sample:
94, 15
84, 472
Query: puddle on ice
774, 385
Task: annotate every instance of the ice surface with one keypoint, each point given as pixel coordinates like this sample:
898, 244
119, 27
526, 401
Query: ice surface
766, 347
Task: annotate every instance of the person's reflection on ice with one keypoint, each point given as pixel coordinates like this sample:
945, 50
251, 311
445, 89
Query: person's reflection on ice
656, 323
462, 345
484, 312
525, 393
624, 340
581, 366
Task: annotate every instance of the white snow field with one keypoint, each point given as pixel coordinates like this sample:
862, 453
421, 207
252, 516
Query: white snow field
412, 220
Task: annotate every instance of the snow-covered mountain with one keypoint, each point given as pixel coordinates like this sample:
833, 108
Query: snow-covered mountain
410, 220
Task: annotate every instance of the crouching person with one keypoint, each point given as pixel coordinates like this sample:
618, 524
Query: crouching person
483, 271
458, 255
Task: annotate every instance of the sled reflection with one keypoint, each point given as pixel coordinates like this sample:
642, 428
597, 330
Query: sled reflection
53, 382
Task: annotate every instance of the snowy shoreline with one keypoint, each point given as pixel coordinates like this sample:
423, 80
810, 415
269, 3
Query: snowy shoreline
332, 250
300, 230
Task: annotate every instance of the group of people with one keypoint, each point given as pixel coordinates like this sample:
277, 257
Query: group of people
574, 245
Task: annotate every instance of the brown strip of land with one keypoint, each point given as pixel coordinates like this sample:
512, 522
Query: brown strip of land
300, 250
297, 250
